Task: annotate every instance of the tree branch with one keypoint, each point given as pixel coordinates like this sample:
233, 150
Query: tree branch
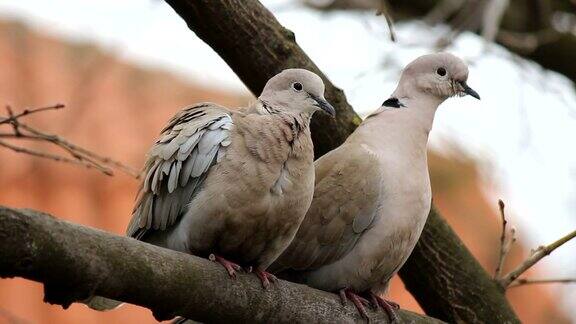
537, 254
441, 273
75, 262
505, 242
526, 281
76, 154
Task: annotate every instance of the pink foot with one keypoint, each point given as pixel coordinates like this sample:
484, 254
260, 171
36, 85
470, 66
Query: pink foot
357, 300
266, 278
230, 267
389, 307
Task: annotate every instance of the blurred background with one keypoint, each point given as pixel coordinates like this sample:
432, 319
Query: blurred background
122, 68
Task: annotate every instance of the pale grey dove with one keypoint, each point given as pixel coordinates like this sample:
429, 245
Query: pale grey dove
232, 184
372, 194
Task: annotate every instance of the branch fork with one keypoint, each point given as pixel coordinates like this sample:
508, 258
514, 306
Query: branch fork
512, 278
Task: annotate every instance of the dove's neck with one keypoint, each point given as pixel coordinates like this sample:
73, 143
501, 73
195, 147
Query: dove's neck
407, 127
262, 107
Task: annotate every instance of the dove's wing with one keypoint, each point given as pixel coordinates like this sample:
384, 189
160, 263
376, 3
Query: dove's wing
194, 140
345, 204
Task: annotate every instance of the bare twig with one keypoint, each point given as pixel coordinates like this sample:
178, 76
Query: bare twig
77, 154
526, 281
536, 256
527, 42
492, 17
54, 157
26, 112
505, 243
384, 10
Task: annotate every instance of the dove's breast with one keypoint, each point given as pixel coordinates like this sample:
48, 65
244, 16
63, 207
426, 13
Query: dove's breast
383, 248
255, 197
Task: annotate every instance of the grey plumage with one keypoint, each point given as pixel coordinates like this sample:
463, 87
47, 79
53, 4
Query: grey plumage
183, 153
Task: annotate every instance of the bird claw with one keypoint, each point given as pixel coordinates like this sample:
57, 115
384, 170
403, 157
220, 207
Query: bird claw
266, 278
230, 267
389, 307
358, 301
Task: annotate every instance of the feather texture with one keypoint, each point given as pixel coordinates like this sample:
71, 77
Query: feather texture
186, 149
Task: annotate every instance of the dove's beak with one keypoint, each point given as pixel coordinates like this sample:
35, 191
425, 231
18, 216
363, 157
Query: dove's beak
324, 105
469, 91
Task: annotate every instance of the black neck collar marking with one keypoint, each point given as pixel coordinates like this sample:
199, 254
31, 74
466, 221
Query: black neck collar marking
393, 102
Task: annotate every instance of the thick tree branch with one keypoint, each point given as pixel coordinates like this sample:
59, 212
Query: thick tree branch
74, 262
441, 273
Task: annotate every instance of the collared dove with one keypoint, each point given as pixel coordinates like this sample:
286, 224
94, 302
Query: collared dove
372, 194
232, 185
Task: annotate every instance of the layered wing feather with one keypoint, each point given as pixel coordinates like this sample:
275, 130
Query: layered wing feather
194, 139
345, 204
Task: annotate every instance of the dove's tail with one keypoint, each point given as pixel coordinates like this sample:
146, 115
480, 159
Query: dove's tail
101, 303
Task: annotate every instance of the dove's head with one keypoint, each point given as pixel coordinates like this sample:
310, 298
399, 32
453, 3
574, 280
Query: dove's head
441, 75
296, 91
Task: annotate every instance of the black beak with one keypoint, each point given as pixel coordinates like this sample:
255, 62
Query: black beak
469, 91
324, 105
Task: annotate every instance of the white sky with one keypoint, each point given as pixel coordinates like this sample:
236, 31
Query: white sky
523, 129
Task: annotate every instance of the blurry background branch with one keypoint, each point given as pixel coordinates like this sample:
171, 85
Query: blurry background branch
75, 262
16, 130
506, 241
443, 276
526, 281
541, 30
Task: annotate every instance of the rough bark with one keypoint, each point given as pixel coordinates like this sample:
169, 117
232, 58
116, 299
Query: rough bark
248, 37
74, 262
448, 281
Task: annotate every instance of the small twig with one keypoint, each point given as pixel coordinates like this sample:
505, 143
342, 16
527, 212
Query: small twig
526, 281
26, 112
503, 251
536, 256
385, 11
12, 121
492, 18
54, 157
79, 155
527, 42
80, 152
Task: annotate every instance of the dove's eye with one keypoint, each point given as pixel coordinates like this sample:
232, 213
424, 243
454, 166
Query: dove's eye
297, 86
441, 71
